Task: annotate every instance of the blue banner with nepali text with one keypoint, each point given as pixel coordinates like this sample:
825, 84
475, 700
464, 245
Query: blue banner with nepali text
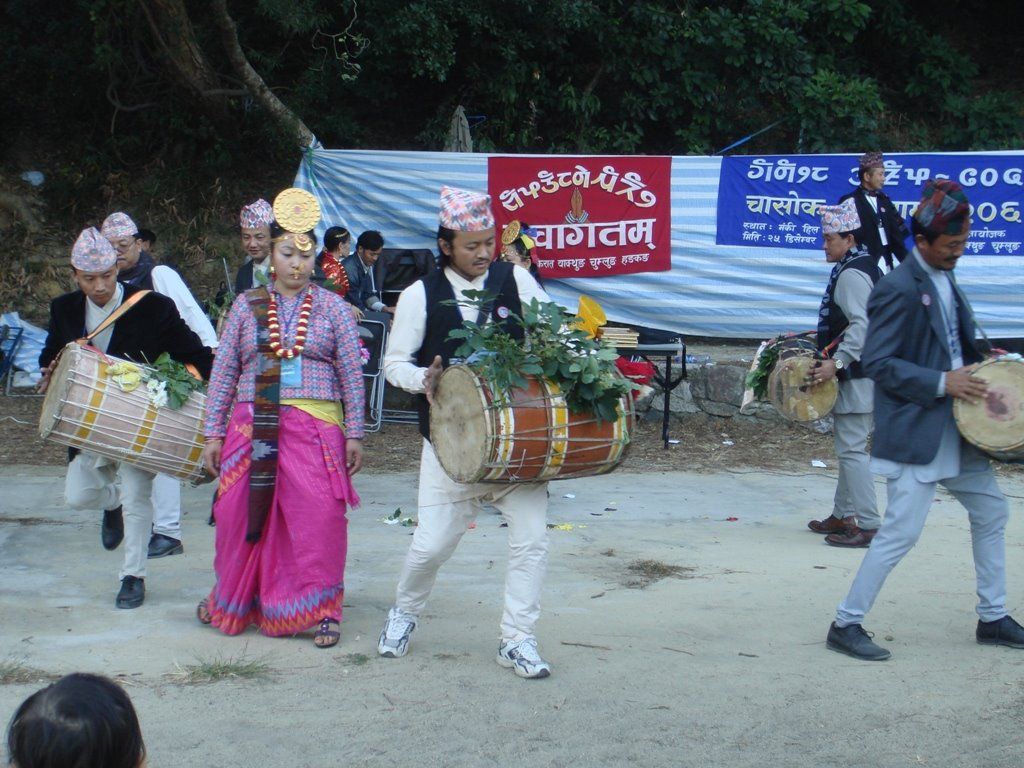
772, 201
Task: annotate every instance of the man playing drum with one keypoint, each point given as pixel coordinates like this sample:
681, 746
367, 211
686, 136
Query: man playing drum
921, 352
137, 268
418, 350
146, 330
843, 319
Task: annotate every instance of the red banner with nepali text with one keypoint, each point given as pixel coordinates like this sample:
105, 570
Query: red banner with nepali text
589, 216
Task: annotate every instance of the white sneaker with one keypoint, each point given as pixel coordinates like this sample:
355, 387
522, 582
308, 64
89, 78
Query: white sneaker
394, 638
522, 657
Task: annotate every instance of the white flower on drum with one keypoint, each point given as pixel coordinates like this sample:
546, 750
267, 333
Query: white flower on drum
157, 392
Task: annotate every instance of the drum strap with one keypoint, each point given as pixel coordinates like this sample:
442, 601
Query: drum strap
114, 316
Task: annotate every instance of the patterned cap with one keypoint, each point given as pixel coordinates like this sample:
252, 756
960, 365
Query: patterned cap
839, 218
943, 207
92, 252
871, 160
464, 211
255, 215
118, 225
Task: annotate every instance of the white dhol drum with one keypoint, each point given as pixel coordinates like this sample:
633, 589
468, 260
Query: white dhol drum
996, 424
84, 408
528, 436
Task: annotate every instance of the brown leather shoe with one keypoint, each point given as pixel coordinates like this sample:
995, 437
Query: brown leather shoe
831, 524
854, 538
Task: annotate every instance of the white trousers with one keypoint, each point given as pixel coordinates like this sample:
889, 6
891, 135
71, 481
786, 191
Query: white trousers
91, 483
907, 509
167, 506
855, 491
446, 509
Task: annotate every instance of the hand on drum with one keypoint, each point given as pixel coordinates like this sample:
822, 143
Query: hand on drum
430, 379
211, 455
822, 371
962, 384
44, 382
353, 455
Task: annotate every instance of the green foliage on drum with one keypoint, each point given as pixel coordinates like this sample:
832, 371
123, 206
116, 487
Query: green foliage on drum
176, 379
582, 367
757, 379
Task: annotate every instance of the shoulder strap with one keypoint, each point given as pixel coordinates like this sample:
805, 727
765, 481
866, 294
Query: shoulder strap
114, 316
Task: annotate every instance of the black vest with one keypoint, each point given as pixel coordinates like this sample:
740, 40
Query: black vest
837, 319
443, 318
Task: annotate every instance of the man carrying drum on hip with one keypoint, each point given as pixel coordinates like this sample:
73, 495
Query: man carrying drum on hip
145, 330
921, 352
843, 321
418, 350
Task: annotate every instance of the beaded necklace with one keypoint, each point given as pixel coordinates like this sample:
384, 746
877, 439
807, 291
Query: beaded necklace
274, 326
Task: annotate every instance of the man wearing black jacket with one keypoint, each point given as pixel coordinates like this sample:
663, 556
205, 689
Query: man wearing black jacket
883, 231
148, 329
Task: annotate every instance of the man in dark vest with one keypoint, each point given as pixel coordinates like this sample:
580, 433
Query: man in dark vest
142, 333
418, 350
883, 231
843, 324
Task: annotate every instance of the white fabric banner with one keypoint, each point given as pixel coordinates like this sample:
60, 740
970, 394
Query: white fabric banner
711, 290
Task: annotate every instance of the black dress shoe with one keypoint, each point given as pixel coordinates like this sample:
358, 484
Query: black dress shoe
1004, 631
132, 592
162, 546
854, 641
112, 530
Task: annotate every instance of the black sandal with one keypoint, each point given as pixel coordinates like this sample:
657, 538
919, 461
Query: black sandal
203, 611
324, 632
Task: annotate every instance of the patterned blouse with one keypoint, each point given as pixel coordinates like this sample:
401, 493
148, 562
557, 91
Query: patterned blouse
331, 365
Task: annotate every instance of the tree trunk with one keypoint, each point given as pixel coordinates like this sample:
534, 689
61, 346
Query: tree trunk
187, 64
260, 91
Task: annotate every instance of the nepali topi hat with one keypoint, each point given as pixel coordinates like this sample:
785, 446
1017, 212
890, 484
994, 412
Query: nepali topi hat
943, 208
256, 215
92, 252
839, 218
118, 225
465, 211
870, 160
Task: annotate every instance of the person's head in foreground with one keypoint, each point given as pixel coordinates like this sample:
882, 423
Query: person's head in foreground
81, 721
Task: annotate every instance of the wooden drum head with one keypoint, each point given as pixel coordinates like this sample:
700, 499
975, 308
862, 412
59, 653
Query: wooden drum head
460, 428
996, 424
789, 392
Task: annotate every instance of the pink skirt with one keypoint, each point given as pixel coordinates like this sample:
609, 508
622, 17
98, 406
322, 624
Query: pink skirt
293, 576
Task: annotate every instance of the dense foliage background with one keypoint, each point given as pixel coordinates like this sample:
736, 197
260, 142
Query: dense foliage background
148, 104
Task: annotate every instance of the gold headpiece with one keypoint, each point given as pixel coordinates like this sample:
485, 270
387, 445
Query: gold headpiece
296, 211
511, 232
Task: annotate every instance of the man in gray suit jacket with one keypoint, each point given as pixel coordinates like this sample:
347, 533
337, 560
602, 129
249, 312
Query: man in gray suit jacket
921, 352
843, 324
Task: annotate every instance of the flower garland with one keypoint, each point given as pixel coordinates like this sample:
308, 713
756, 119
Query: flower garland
274, 325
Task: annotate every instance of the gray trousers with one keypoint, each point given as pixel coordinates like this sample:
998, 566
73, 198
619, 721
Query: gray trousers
855, 492
91, 483
907, 509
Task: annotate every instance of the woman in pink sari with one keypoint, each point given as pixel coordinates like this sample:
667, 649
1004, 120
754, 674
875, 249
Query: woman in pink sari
288, 354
